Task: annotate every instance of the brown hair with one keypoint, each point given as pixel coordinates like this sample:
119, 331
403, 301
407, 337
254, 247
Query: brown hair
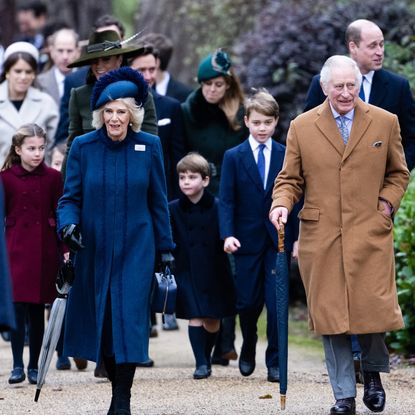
263, 102
13, 58
232, 101
26, 130
195, 163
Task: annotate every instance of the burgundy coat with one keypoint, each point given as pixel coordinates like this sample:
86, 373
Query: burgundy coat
34, 249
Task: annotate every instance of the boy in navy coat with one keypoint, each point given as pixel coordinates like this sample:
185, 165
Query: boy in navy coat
248, 174
205, 290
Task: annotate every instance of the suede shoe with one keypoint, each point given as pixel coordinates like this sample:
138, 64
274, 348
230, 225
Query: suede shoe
63, 363
32, 376
201, 372
273, 374
17, 375
374, 396
346, 406
80, 364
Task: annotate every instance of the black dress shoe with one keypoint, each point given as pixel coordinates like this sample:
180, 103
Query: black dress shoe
374, 396
273, 374
17, 375
246, 368
346, 406
201, 372
148, 363
32, 376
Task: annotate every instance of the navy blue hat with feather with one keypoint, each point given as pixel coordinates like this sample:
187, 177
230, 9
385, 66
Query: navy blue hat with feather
124, 82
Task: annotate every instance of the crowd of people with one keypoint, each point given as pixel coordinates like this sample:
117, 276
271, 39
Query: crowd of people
155, 175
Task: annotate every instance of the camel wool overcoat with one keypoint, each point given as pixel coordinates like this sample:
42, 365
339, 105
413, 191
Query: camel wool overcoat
346, 253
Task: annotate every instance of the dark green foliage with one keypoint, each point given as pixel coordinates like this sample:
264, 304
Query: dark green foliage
403, 341
292, 39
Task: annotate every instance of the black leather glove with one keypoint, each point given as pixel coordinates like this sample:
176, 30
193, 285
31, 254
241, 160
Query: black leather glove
167, 260
71, 236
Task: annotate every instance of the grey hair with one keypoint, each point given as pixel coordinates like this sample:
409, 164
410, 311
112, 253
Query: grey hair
336, 61
136, 114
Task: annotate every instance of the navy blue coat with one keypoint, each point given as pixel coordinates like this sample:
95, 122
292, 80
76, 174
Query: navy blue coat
116, 192
7, 320
170, 131
204, 282
244, 204
390, 92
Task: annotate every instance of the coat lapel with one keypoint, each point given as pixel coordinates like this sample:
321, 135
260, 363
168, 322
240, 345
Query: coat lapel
379, 88
361, 122
327, 125
248, 162
277, 159
30, 108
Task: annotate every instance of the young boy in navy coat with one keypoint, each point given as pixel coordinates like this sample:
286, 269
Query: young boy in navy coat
205, 290
248, 174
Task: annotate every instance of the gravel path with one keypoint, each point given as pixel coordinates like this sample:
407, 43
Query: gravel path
168, 388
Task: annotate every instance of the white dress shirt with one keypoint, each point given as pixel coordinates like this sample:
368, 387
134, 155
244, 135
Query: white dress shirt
60, 80
367, 84
267, 153
161, 87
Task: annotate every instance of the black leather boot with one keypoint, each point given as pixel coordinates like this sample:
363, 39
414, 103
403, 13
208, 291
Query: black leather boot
109, 363
374, 396
124, 376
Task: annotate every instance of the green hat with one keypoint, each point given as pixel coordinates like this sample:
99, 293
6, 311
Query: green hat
103, 44
216, 64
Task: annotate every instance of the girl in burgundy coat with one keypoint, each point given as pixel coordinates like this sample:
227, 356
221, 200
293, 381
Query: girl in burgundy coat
31, 193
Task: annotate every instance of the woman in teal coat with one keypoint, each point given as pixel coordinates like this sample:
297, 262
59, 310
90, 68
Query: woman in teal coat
213, 114
114, 212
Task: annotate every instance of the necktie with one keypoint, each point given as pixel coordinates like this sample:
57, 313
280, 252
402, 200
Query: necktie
343, 129
362, 91
261, 162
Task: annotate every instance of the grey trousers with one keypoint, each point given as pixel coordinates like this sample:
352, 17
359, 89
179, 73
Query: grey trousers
339, 360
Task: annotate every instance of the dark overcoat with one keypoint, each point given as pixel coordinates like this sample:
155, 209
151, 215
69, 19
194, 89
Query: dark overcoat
116, 192
7, 320
208, 132
32, 243
204, 283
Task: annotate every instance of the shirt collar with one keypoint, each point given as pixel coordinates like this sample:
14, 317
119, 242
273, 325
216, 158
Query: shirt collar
59, 76
369, 77
161, 87
348, 116
254, 144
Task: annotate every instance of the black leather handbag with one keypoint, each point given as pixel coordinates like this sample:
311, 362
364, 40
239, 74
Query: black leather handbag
164, 293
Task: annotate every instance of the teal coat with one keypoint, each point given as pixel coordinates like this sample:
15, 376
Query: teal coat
116, 192
208, 132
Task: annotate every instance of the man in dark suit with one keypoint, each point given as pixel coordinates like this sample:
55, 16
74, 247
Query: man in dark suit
382, 88
165, 83
169, 116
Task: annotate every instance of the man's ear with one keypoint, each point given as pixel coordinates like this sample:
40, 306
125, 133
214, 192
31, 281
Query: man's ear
206, 181
323, 88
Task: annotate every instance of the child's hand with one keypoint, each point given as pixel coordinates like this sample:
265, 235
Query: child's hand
231, 245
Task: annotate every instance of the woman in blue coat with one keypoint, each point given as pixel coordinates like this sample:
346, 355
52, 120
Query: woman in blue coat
114, 213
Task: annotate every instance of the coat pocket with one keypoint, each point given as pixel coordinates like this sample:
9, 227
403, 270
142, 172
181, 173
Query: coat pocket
312, 214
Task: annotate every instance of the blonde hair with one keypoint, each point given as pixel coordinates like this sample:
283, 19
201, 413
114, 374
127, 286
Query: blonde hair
263, 102
136, 114
195, 163
26, 130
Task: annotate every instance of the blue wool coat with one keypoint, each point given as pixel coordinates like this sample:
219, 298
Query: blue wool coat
116, 192
7, 320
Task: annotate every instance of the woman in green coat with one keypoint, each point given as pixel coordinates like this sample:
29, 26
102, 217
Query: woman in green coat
213, 114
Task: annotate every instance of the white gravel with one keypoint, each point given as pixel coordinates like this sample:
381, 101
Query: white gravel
169, 389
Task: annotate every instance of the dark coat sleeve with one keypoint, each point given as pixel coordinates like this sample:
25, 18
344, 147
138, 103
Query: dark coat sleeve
315, 95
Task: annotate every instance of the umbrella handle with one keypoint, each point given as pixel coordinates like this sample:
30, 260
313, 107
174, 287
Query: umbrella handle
281, 238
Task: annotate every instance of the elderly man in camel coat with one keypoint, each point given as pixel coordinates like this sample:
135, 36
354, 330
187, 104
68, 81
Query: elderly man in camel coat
346, 158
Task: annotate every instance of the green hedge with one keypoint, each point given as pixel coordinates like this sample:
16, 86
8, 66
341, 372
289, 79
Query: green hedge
403, 341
